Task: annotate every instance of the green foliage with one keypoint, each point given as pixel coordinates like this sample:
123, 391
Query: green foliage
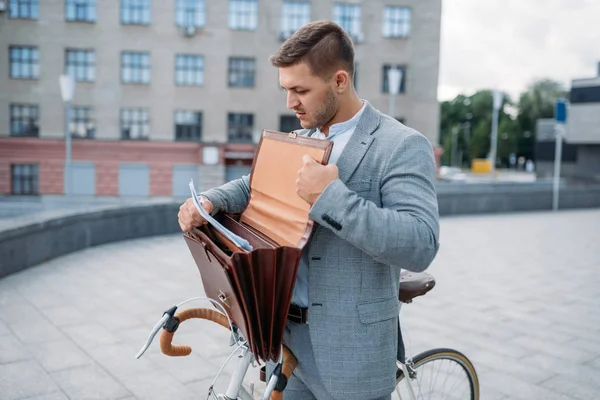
470, 119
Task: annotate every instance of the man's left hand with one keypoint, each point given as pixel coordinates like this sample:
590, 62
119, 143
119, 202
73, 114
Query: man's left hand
313, 178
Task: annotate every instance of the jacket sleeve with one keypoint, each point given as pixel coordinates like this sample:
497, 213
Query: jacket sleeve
403, 232
232, 197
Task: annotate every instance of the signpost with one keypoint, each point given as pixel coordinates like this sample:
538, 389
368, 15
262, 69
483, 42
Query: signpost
498, 96
560, 119
67, 89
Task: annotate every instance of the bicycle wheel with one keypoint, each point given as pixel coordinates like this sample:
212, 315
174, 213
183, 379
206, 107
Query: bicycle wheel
440, 374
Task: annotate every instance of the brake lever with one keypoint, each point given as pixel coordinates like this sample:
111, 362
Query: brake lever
161, 323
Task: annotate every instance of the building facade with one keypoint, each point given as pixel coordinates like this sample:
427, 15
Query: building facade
168, 90
581, 143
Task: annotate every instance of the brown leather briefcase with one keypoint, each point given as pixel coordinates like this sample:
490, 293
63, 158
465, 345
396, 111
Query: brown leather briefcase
256, 287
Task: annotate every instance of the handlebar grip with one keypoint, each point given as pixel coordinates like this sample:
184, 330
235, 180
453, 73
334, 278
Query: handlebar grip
287, 368
289, 363
167, 347
166, 337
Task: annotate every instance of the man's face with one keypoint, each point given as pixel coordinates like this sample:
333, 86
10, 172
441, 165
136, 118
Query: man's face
312, 98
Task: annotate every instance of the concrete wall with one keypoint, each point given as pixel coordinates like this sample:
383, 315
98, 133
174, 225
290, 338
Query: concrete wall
27, 242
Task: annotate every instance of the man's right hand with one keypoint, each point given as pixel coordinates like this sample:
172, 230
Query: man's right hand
188, 215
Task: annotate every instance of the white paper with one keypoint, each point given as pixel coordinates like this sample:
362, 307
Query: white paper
237, 240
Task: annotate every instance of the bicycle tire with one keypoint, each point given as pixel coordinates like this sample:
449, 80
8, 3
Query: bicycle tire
451, 355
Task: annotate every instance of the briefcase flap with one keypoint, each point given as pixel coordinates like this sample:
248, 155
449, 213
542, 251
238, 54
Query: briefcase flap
274, 208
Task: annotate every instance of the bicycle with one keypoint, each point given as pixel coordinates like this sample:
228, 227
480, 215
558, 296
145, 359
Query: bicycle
439, 373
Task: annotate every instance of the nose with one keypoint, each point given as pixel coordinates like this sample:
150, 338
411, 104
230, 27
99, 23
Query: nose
292, 100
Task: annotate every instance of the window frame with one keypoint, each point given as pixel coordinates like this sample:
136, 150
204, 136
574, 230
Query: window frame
242, 69
75, 120
139, 68
11, 117
136, 10
141, 121
344, 7
33, 62
86, 64
384, 79
32, 6
198, 10
195, 127
240, 138
288, 17
192, 64
33, 178
91, 13
393, 32
242, 15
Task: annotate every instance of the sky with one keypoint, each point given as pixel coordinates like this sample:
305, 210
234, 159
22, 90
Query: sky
507, 44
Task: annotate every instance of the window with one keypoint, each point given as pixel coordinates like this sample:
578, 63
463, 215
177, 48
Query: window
25, 178
239, 127
348, 17
243, 14
135, 12
396, 21
384, 85
289, 123
135, 123
82, 123
81, 64
241, 72
24, 62
189, 70
24, 120
294, 14
135, 67
81, 10
25, 9
190, 13
188, 125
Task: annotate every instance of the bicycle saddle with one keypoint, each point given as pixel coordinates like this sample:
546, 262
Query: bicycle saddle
414, 284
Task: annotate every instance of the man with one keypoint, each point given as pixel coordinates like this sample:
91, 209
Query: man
375, 212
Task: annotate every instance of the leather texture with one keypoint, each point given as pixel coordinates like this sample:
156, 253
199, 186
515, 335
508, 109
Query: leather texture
256, 287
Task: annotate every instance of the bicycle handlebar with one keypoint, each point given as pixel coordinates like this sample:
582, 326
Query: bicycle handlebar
166, 337
166, 343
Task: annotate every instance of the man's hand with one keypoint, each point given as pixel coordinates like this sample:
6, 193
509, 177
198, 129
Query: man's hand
313, 178
189, 217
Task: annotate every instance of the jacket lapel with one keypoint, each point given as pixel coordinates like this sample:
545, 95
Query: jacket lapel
359, 143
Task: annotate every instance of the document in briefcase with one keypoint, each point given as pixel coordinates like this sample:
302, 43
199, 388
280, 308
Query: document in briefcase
256, 286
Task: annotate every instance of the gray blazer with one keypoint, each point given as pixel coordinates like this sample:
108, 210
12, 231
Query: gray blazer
379, 217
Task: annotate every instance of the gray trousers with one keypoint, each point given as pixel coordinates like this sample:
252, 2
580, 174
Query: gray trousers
305, 383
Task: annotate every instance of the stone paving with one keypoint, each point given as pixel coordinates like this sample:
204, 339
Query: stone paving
519, 294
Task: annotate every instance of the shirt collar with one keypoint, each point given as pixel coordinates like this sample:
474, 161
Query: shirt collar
344, 126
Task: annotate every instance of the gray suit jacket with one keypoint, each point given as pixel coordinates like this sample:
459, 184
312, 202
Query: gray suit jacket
379, 217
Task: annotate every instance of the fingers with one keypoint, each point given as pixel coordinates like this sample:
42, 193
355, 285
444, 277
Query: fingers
189, 217
307, 160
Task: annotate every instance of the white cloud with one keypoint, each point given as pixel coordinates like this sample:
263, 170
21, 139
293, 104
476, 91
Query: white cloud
507, 44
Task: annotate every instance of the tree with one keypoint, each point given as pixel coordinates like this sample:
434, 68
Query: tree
470, 119
538, 101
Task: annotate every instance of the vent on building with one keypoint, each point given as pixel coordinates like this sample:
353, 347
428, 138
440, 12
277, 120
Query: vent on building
188, 30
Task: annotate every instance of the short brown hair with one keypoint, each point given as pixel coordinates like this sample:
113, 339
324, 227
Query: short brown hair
323, 45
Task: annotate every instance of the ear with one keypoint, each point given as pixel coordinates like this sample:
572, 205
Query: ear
342, 81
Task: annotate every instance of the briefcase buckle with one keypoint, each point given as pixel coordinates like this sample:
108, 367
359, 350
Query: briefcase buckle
224, 299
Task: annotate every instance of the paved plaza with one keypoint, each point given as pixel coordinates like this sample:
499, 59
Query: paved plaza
519, 294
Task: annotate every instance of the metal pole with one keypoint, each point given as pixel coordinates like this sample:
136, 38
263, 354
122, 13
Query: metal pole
68, 182
494, 143
392, 105
557, 163
454, 146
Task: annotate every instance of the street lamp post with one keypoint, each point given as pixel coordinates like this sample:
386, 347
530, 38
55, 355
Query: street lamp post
67, 89
394, 82
497, 103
